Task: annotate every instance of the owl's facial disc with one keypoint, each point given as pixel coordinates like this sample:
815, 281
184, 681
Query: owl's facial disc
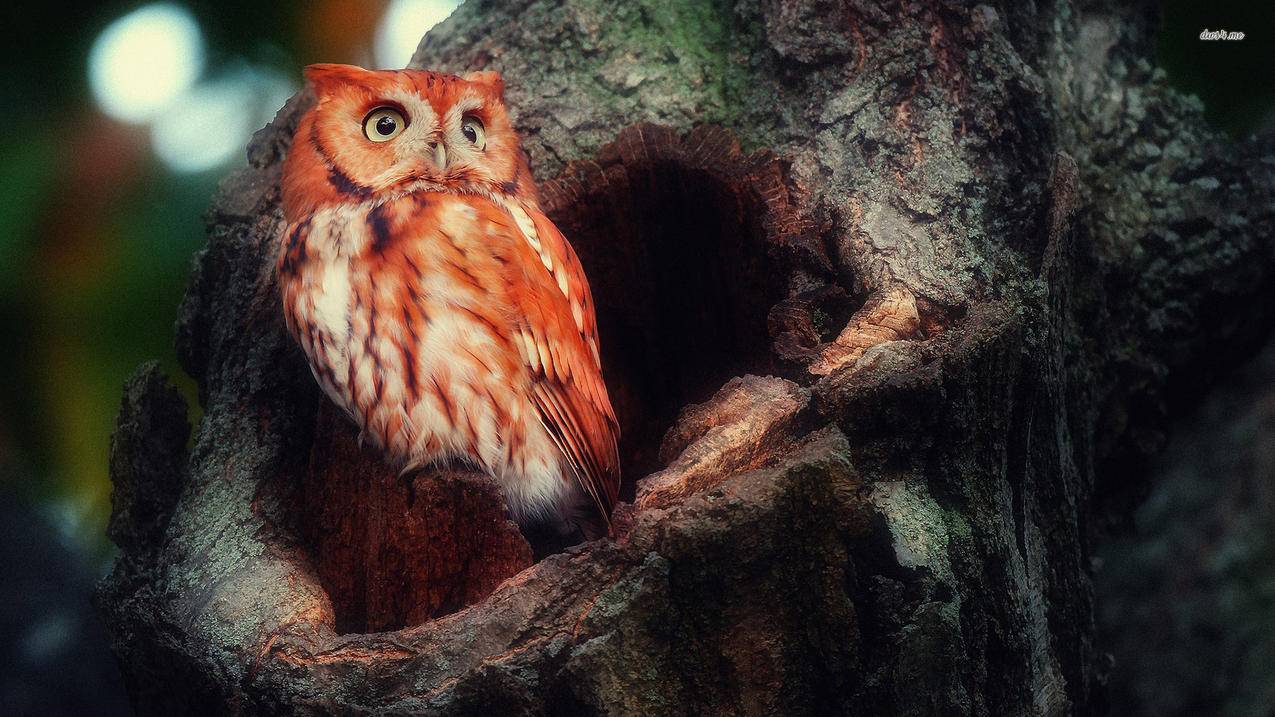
380, 136
391, 131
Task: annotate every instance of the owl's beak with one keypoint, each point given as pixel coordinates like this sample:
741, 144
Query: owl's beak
440, 156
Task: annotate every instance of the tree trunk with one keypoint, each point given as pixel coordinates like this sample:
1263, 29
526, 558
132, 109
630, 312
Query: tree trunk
895, 299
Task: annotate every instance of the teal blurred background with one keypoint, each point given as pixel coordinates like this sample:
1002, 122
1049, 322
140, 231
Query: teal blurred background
119, 120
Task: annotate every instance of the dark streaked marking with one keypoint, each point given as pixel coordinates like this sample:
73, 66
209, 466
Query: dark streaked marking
418, 302
459, 247
319, 345
344, 185
409, 369
509, 186
408, 350
561, 425
469, 275
444, 401
369, 348
408, 323
338, 179
469, 426
294, 254
414, 294
415, 267
478, 360
379, 222
486, 321
352, 385
502, 415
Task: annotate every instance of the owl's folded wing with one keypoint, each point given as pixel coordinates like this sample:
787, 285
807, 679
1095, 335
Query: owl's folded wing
558, 344
570, 277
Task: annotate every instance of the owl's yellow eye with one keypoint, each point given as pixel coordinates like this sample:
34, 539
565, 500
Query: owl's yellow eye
383, 124
472, 128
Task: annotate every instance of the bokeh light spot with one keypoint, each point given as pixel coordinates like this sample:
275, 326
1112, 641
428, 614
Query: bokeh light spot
144, 60
209, 125
204, 129
404, 24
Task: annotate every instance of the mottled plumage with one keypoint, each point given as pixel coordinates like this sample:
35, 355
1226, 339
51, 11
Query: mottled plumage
434, 300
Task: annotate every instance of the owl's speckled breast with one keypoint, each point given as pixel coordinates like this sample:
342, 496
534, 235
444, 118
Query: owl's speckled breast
400, 308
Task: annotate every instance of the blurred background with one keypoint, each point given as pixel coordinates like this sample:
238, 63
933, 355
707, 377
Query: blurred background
121, 118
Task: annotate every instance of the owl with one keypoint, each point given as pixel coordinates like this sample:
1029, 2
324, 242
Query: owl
435, 302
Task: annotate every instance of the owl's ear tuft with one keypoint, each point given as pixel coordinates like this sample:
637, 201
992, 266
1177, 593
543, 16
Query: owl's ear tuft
324, 77
489, 79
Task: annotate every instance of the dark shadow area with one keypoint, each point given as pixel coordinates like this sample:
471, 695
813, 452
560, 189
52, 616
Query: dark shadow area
673, 236
55, 650
390, 550
1186, 596
1220, 71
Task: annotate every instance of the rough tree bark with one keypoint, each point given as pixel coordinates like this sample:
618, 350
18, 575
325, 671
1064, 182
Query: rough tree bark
896, 297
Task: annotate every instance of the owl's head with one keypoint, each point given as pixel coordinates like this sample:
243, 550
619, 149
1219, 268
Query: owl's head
373, 133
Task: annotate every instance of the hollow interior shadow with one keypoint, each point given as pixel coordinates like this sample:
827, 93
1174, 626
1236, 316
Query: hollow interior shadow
674, 245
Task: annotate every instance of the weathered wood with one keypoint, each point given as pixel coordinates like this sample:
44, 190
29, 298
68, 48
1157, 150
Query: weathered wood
394, 551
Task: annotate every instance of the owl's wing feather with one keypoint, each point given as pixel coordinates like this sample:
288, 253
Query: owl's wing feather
566, 265
566, 432
557, 341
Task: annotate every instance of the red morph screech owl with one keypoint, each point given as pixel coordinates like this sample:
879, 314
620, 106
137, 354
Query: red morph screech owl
436, 304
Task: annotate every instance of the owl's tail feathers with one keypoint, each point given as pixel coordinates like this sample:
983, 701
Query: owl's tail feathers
587, 444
